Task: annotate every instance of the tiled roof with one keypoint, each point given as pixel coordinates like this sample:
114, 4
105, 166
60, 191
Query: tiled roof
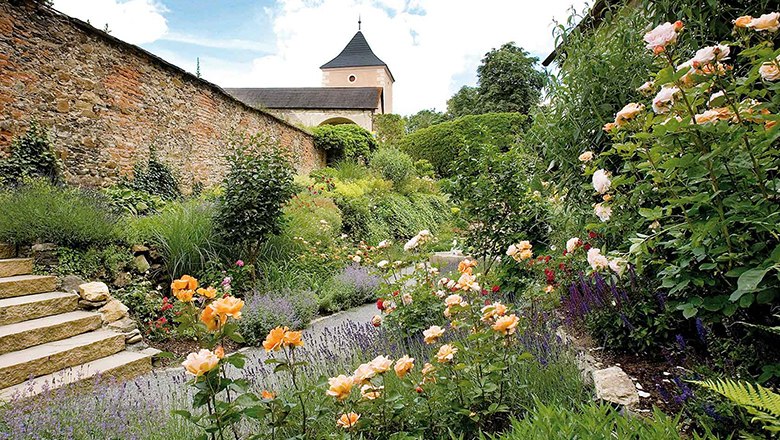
357, 53
354, 98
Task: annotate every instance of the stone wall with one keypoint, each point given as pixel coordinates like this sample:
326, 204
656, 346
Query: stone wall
315, 117
107, 103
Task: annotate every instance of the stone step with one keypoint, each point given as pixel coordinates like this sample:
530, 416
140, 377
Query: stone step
15, 266
18, 366
26, 334
24, 308
21, 285
7, 250
120, 366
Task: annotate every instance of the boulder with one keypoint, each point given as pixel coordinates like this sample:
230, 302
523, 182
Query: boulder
124, 325
135, 339
122, 279
90, 305
71, 283
113, 311
141, 264
613, 385
139, 249
94, 292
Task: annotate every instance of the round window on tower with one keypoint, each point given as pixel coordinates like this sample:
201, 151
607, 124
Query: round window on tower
352, 78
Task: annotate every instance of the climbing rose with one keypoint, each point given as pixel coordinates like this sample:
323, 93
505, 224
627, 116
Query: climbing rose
709, 54
766, 22
601, 181
201, 362
586, 156
433, 334
603, 212
628, 112
446, 353
340, 387
664, 99
662, 35
646, 88
596, 260
403, 366
382, 264
572, 244
770, 71
383, 244
348, 420
712, 115
618, 265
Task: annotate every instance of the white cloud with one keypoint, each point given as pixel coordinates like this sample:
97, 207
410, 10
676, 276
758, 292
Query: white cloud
231, 43
426, 43
135, 21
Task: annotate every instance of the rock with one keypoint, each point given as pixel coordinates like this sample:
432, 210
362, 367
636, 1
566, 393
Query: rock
124, 325
94, 292
122, 279
613, 385
71, 283
114, 310
45, 254
7, 250
89, 305
141, 264
139, 248
44, 247
155, 255
135, 339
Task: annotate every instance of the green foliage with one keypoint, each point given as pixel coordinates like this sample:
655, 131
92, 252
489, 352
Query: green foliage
293, 308
155, 178
423, 119
312, 218
258, 184
424, 168
184, 233
40, 212
335, 295
145, 304
394, 165
591, 421
130, 201
441, 144
760, 402
32, 156
93, 263
389, 128
508, 80
344, 141
464, 102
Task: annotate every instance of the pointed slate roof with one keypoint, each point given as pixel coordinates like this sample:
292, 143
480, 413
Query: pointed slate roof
357, 53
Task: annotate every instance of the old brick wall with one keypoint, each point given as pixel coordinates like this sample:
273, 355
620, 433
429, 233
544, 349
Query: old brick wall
107, 103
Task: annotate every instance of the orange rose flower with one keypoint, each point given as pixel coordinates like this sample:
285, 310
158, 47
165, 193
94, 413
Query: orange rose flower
506, 325
348, 421
212, 320
229, 306
184, 295
403, 365
209, 292
268, 395
220, 352
275, 339
186, 282
293, 339
340, 387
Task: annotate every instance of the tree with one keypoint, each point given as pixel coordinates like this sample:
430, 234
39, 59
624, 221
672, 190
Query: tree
389, 129
508, 81
465, 102
423, 119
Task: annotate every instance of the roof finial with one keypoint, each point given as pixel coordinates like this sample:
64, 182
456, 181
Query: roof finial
359, 22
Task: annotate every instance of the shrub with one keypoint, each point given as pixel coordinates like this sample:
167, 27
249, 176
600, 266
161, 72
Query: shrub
130, 201
259, 183
40, 212
31, 156
184, 233
335, 295
293, 308
439, 144
156, 178
389, 128
345, 141
393, 165
313, 218
362, 280
93, 263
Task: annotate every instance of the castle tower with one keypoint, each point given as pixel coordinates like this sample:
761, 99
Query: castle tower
358, 66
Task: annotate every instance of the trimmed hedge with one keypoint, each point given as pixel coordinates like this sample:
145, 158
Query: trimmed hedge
345, 141
440, 144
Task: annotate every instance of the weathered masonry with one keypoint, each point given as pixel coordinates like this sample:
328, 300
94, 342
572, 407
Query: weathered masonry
108, 103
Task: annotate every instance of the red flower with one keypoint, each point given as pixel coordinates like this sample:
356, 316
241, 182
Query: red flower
380, 304
562, 266
167, 306
565, 252
396, 292
487, 302
587, 246
163, 320
547, 259
484, 292
592, 235
550, 275
495, 289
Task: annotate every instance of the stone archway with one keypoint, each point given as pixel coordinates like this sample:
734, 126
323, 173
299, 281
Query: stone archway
338, 120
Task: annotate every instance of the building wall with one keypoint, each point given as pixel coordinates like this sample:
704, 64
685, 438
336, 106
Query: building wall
314, 118
364, 77
107, 103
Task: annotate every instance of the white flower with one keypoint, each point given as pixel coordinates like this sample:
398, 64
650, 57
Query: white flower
629, 111
382, 264
511, 250
709, 54
383, 244
646, 88
664, 99
770, 71
412, 243
586, 156
406, 298
441, 293
618, 265
356, 259
572, 244
766, 22
601, 181
602, 211
662, 35
596, 260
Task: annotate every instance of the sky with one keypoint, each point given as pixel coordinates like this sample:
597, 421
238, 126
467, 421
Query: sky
432, 47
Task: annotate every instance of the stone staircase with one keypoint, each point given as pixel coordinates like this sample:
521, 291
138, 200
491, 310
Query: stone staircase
45, 340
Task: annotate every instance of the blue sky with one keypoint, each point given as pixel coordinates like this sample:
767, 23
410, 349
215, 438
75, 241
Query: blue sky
432, 46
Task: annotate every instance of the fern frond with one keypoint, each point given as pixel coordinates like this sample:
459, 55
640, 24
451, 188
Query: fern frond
759, 401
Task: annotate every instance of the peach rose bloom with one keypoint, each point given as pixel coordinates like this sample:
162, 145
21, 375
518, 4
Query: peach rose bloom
601, 181
596, 260
526, 254
370, 392
453, 300
184, 295
212, 320
340, 387
770, 71
549, 289
609, 126
662, 35
646, 88
766, 22
713, 115
220, 352
275, 339
492, 311
376, 320
268, 395
347, 421
201, 362
428, 368
292, 339
603, 212
403, 365
229, 306
664, 99
467, 281
743, 21
381, 364
628, 112
363, 374
209, 292
446, 353
586, 156
572, 244
433, 334
506, 325
466, 266
186, 282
